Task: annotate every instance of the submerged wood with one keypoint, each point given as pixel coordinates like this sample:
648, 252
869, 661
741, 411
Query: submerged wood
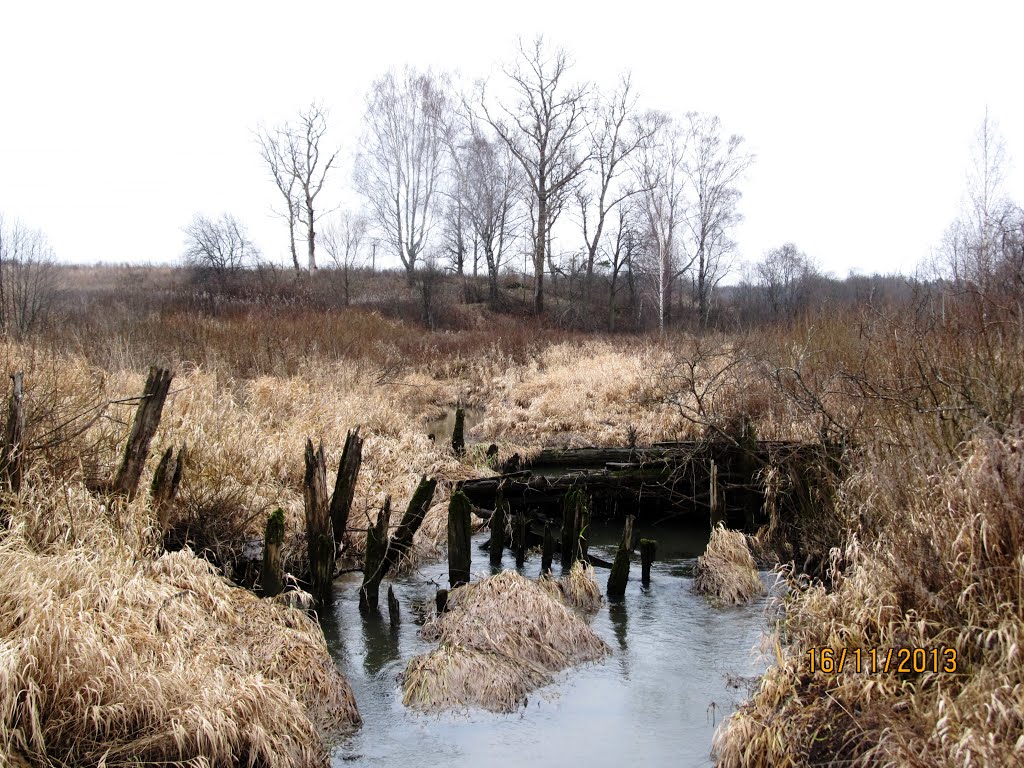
620, 568
14, 435
147, 419
319, 532
272, 570
394, 609
459, 539
345, 485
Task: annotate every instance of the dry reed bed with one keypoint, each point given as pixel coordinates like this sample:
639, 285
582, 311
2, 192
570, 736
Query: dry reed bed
111, 655
500, 638
939, 564
726, 573
578, 587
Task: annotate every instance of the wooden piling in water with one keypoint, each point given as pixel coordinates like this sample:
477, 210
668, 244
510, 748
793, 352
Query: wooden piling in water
14, 435
147, 419
520, 540
394, 609
547, 550
345, 485
441, 601
714, 491
497, 524
620, 568
272, 571
575, 519
373, 558
319, 532
459, 539
648, 550
459, 432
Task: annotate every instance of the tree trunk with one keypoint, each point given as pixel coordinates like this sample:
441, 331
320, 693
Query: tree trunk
147, 418
319, 533
310, 236
345, 485
538, 254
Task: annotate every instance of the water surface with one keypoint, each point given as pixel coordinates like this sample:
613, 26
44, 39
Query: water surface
656, 700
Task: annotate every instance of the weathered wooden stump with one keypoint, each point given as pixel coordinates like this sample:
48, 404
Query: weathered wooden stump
373, 557
441, 601
345, 485
714, 492
165, 484
575, 519
147, 419
272, 571
648, 551
459, 432
399, 543
394, 609
497, 525
620, 568
14, 435
459, 539
319, 531
547, 550
520, 542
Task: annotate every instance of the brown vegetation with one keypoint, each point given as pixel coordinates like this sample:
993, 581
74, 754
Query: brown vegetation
726, 572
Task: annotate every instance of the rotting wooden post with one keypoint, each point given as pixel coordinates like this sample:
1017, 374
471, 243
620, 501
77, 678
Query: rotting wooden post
459, 432
147, 419
345, 485
272, 572
441, 601
373, 558
717, 514
547, 550
459, 539
497, 545
319, 536
14, 435
394, 609
165, 484
620, 568
583, 524
648, 551
520, 525
575, 519
399, 543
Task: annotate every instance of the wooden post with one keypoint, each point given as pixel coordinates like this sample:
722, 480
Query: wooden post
620, 568
345, 485
583, 523
575, 517
459, 432
400, 542
459, 535
394, 609
272, 572
14, 435
648, 550
497, 545
717, 514
147, 419
441, 601
319, 535
373, 558
548, 550
165, 484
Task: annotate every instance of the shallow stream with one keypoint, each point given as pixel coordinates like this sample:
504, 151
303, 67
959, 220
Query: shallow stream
678, 667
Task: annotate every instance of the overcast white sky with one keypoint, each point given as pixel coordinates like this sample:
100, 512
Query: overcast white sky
119, 121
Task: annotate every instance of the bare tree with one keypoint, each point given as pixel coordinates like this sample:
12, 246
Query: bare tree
621, 242
293, 155
542, 127
661, 175
401, 162
218, 249
27, 279
785, 276
343, 239
713, 166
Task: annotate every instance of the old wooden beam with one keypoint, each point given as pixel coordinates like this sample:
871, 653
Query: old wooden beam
147, 419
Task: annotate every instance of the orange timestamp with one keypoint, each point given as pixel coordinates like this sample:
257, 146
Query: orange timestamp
872, 660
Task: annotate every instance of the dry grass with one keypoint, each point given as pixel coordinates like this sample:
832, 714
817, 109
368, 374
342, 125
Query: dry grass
579, 587
938, 564
726, 572
112, 655
499, 639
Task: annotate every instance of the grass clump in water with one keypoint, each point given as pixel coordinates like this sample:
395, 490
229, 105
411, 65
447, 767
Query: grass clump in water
579, 587
499, 639
726, 572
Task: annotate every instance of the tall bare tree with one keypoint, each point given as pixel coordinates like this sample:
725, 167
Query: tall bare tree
542, 125
402, 159
299, 169
343, 239
713, 165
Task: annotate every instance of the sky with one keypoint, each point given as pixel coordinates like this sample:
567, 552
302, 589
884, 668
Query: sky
120, 121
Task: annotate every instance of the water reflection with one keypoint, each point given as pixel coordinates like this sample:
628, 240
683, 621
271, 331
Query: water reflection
620, 620
381, 642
